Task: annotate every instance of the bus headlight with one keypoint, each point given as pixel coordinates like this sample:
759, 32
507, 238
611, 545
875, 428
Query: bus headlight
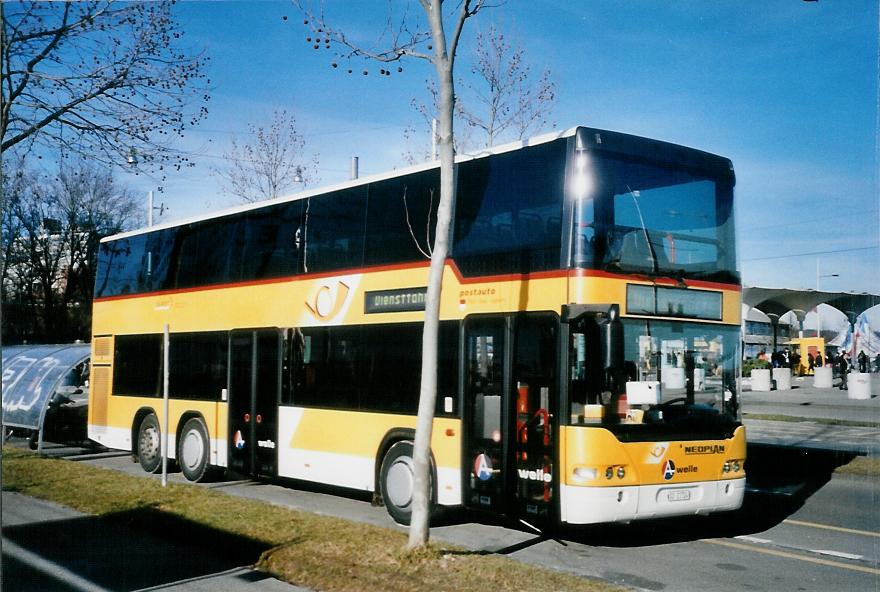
609, 472
734, 465
621, 472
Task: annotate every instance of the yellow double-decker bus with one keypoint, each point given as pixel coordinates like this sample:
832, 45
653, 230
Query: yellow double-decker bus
589, 338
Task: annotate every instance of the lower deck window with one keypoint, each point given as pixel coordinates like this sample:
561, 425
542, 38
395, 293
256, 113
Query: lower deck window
369, 367
137, 365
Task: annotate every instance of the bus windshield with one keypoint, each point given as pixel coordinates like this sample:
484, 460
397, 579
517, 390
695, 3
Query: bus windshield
638, 217
680, 377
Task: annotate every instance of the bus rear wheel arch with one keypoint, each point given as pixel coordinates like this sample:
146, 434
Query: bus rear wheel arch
397, 481
194, 449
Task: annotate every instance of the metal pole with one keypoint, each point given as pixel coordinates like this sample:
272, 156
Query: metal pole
818, 314
354, 168
164, 444
149, 208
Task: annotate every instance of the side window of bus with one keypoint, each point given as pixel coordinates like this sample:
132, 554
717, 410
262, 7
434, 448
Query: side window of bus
332, 232
270, 242
585, 366
197, 366
120, 267
368, 368
401, 216
325, 376
508, 211
208, 253
137, 365
159, 260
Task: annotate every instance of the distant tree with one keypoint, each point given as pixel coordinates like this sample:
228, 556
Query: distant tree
417, 149
501, 99
271, 164
429, 41
50, 268
98, 79
505, 98
15, 181
14, 178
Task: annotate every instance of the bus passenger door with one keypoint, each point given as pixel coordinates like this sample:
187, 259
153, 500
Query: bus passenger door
486, 448
534, 402
510, 389
254, 389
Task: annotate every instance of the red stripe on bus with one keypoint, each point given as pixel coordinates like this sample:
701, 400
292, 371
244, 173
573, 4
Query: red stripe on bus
277, 280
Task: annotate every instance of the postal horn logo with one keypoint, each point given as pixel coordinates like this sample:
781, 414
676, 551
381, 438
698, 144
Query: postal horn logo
325, 305
658, 451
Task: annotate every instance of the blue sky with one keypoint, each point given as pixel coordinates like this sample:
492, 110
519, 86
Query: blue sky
786, 89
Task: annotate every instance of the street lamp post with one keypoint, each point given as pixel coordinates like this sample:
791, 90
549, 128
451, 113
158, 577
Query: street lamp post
132, 161
150, 207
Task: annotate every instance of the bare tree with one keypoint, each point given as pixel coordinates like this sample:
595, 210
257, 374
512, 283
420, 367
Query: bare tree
420, 150
269, 165
14, 179
501, 99
99, 79
51, 260
432, 42
504, 98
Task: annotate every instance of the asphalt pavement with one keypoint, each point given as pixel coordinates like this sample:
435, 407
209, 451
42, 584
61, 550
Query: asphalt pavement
802, 526
823, 415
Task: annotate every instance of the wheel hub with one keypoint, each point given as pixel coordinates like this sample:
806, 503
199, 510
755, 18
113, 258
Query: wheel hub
149, 445
400, 482
192, 449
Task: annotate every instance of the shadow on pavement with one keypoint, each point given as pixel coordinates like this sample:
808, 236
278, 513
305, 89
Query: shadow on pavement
126, 551
779, 480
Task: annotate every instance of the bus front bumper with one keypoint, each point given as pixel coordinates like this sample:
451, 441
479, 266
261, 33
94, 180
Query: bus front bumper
592, 505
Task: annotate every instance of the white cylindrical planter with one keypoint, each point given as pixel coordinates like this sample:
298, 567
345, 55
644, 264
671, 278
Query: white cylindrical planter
859, 385
823, 377
761, 380
699, 379
782, 376
673, 378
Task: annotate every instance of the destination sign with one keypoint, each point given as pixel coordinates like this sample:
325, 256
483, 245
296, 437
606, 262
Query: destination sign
402, 300
673, 302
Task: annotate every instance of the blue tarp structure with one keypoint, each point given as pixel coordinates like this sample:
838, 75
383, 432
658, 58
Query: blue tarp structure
31, 376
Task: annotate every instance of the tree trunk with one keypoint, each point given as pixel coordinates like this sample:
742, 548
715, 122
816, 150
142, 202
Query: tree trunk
418, 533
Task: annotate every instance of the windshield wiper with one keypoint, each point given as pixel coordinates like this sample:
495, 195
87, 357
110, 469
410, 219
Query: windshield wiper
644, 229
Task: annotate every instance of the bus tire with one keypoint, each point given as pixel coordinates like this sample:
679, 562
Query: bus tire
193, 450
149, 444
396, 481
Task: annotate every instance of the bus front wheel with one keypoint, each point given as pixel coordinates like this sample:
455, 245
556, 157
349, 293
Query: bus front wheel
149, 451
193, 449
397, 481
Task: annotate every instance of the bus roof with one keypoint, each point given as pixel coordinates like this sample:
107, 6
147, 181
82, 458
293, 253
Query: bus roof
622, 139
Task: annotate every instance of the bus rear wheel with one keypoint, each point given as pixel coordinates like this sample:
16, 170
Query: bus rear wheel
193, 449
397, 482
149, 451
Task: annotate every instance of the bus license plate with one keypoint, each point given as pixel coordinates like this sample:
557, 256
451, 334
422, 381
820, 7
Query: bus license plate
678, 495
